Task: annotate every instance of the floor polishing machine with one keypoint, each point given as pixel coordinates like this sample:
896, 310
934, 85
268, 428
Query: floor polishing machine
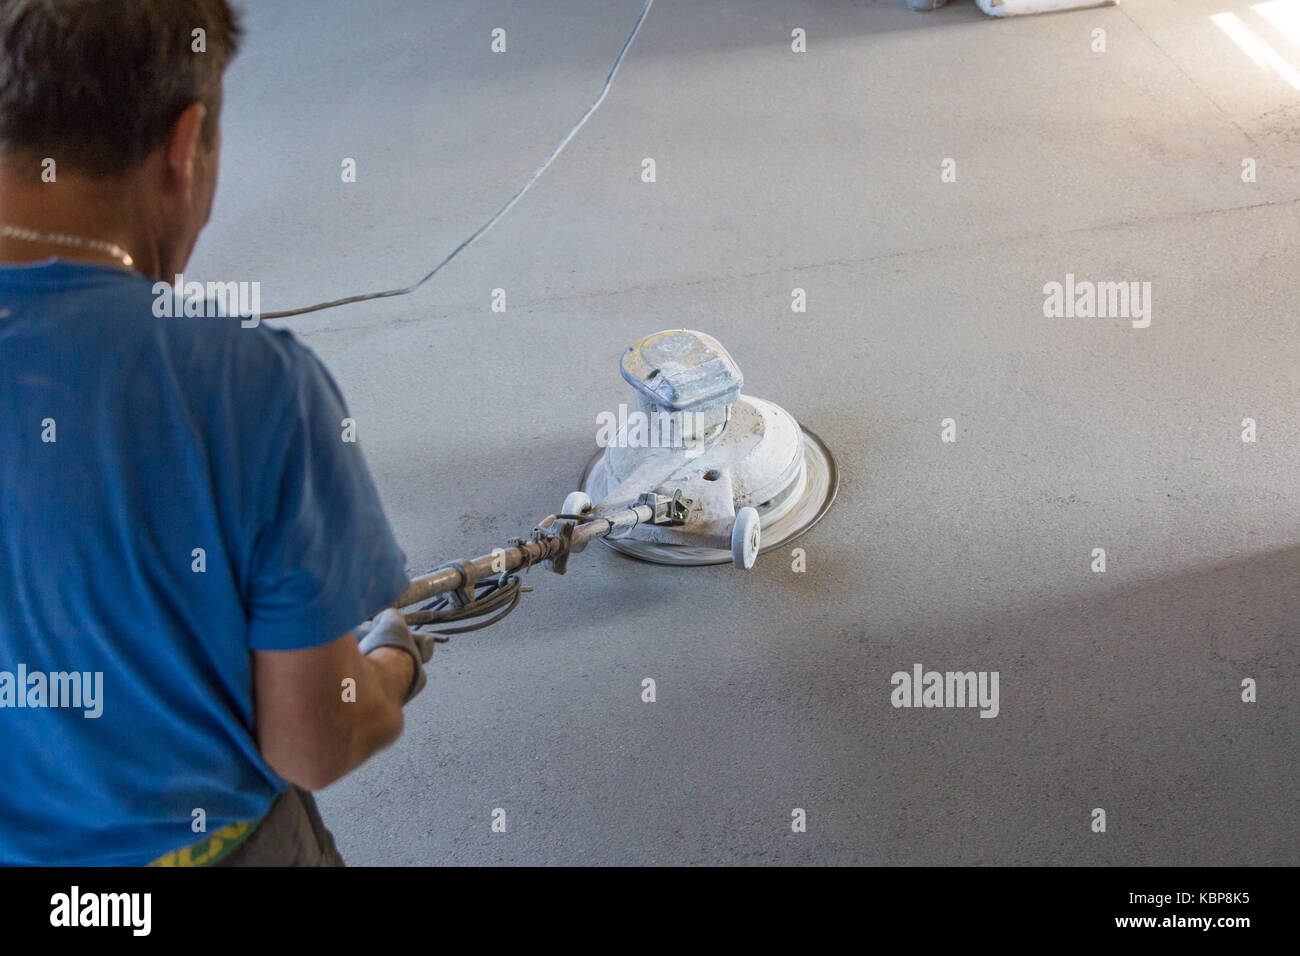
700, 474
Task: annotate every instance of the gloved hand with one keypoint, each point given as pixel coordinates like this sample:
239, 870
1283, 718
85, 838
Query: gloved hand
389, 630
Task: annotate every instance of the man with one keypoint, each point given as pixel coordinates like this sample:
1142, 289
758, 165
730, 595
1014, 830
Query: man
187, 539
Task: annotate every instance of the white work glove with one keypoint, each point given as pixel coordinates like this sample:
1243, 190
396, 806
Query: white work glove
389, 630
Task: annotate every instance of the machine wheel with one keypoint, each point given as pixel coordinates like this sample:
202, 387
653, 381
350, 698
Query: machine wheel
745, 537
578, 503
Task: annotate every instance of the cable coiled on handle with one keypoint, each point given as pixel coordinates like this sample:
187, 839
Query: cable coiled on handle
499, 596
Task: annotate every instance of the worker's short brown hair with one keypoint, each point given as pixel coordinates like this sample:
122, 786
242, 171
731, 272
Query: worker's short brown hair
98, 84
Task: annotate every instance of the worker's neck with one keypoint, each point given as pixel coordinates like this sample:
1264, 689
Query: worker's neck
88, 208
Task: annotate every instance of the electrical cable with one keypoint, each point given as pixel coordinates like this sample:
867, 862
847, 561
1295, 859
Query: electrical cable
489, 597
482, 230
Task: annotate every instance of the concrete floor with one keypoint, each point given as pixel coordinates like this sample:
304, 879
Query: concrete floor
822, 170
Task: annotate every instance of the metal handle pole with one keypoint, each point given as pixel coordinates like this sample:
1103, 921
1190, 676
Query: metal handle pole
448, 579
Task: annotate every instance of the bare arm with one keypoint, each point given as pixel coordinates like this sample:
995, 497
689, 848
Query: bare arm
309, 730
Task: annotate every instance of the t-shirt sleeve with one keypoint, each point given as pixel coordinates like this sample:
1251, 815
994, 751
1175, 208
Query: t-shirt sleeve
325, 558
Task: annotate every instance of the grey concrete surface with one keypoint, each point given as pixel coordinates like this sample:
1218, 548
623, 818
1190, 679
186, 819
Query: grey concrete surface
819, 170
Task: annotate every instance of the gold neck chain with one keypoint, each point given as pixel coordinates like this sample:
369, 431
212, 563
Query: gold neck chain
58, 239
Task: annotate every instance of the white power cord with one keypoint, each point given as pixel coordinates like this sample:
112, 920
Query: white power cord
482, 230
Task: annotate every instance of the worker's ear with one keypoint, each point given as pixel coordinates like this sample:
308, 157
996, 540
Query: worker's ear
182, 146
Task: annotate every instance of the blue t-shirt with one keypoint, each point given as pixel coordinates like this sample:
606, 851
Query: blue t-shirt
174, 493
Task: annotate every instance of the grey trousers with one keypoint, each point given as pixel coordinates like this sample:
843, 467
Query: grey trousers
291, 834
